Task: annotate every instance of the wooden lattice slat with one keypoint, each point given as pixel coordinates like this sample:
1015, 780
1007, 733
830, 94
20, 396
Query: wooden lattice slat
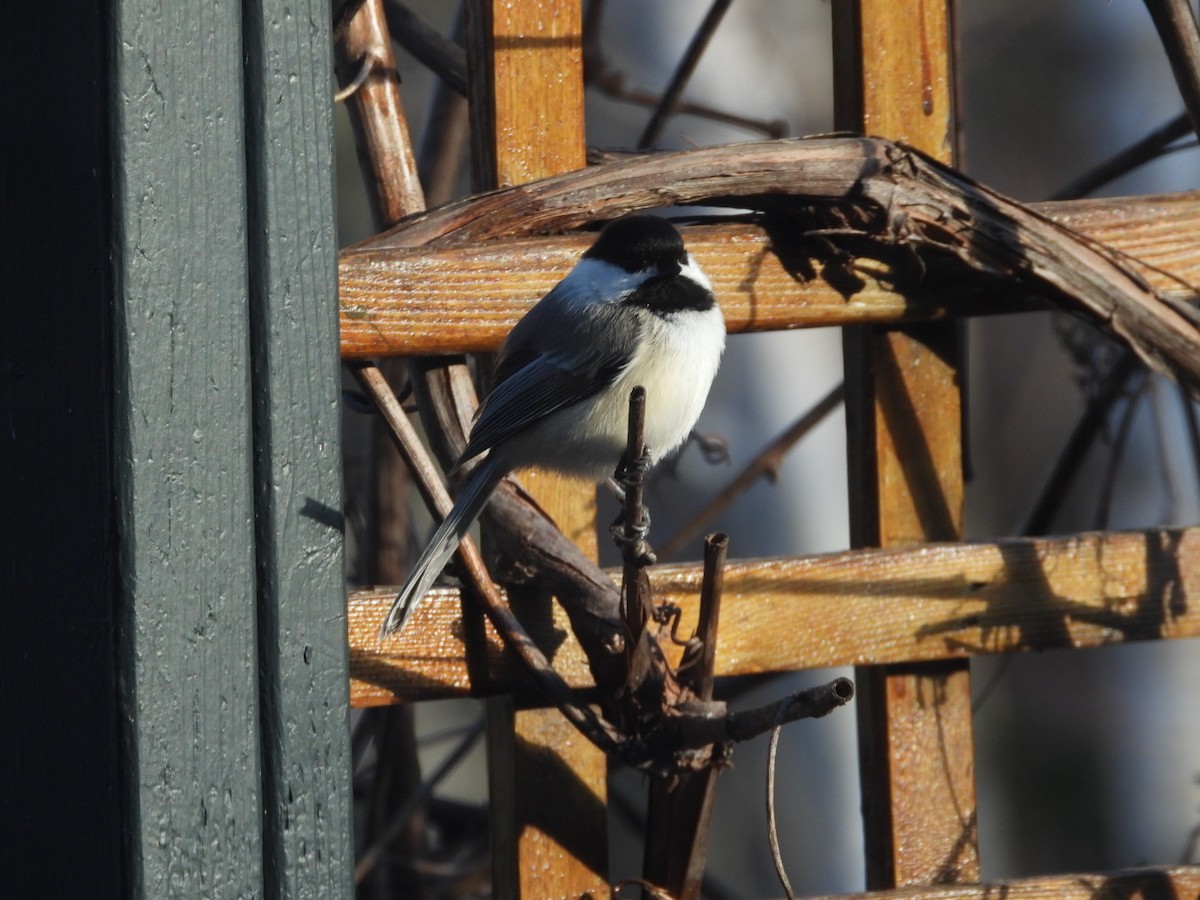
894, 76
933, 602
547, 783
1170, 883
465, 299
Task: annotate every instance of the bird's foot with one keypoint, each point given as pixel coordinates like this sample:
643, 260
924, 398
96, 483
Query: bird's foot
631, 538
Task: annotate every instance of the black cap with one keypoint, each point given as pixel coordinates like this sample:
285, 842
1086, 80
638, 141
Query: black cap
640, 242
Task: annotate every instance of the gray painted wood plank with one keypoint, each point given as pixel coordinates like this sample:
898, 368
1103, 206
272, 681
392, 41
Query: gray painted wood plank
187, 623
294, 338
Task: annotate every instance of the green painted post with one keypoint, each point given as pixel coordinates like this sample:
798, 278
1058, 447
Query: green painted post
187, 620
231, 629
294, 348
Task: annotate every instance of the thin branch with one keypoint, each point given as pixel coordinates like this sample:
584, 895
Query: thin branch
700, 677
765, 465
444, 57
1109, 481
811, 703
1078, 445
611, 83
1136, 154
632, 477
415, 801
447, 135
376, 111
643, 661
679, 812
691, 58
1176, 24
772, 824
1188, 406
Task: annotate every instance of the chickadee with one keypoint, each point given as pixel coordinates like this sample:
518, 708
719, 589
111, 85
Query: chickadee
635, 310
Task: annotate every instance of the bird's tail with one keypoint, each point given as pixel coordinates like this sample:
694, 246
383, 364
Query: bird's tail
467, 506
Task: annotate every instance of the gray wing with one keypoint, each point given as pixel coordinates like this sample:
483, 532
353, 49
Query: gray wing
562, 352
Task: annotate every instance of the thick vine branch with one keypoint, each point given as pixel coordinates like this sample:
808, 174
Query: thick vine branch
861, 198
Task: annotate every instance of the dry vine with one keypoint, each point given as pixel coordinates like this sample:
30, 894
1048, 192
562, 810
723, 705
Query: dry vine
841, 201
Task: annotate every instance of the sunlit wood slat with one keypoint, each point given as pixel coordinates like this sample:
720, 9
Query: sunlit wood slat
423, 301
937, 601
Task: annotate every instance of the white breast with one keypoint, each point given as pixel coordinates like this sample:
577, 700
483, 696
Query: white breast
676, 363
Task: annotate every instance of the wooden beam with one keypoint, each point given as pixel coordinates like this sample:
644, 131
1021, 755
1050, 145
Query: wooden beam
894, 76
420, 300
1172, 882
861, 607
548, 784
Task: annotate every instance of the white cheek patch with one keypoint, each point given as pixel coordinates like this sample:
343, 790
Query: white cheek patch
597, 281
692, 270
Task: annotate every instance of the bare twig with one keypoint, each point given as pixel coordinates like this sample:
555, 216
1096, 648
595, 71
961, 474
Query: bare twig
812, 703
642, 661
1120, 439
377, 115
444, 57
1176, 24
680, 808
772, 824
598, 74
1188, 406
699, 678
691, 58
415, 801
1136, 154
765, 465
447, 134
632, 477
1066, 467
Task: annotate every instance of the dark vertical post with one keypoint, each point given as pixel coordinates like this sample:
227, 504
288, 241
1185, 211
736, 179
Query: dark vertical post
295, 366
187, 623
60, 830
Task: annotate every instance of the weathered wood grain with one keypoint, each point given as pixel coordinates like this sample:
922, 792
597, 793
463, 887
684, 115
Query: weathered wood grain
860, 607
1172, 883
547, 782
400, 301
895, 76
376, 111
309, 817
184, 498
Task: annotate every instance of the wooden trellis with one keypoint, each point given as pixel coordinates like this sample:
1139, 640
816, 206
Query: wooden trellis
175, 662
895, 76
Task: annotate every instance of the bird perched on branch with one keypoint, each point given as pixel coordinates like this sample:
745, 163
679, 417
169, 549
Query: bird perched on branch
635, 310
